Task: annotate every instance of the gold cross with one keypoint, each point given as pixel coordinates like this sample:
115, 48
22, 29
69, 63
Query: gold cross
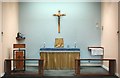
59, 15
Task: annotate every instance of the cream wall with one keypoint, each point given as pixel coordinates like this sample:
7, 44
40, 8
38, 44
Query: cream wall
109, 36
1, 63
10, 28
119, 38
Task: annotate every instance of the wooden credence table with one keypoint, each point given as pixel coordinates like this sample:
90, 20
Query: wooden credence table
112, 66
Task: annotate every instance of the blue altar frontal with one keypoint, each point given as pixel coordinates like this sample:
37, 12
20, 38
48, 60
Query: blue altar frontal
59, 49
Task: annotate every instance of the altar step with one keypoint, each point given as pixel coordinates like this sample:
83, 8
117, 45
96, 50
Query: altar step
62, 73
84, 70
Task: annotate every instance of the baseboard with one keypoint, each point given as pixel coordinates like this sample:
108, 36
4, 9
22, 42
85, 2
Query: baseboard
117, 75
2, 74
31, 65
105, 67
90, 65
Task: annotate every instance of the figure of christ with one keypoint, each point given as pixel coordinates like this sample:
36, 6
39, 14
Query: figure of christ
59, 15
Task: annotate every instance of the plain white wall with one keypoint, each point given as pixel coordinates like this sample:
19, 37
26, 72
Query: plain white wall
10, 28
109, 36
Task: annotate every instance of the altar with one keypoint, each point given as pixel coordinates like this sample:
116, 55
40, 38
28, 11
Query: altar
59, 58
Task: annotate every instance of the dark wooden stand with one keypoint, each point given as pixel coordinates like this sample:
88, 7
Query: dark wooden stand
19, 54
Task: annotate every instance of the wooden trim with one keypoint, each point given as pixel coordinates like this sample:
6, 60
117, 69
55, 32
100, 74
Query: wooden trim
96, 59
19, 46
24, 59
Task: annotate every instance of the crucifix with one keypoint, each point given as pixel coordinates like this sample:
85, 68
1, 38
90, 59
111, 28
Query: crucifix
59, 15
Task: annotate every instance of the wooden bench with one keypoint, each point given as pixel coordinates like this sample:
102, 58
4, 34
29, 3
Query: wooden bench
9, 71
112, 66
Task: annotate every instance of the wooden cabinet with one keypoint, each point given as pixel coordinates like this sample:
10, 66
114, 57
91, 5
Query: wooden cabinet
19, 64
19, 55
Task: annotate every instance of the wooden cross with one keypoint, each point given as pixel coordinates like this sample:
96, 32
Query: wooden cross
59, 15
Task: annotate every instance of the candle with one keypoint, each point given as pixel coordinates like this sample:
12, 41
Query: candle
44, 45
75, 44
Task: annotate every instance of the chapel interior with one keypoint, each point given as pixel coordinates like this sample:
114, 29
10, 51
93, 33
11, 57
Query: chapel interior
59, 38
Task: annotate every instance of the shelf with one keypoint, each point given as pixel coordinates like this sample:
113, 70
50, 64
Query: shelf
89, 48
96, 50
20, 38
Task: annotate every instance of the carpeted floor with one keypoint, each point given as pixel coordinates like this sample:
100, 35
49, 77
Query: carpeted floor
60, 77
83, 70
65, 73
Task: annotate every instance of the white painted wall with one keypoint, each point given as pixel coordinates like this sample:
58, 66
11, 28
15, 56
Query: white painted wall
10, 28
109, 36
